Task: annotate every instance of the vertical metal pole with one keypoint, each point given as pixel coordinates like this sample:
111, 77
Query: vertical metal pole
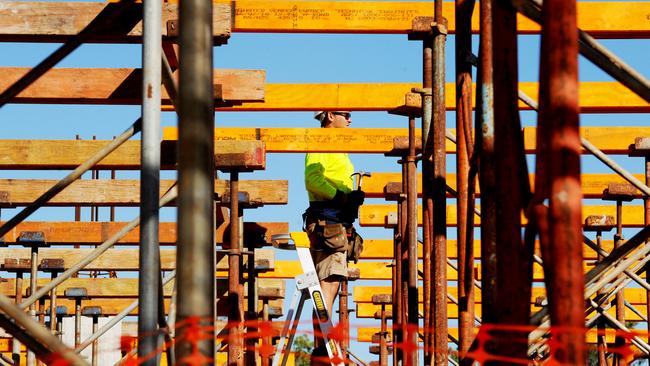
53, 305
251, 303
400, 299
646, 220
620, 295
235, 295
513, 260
559, 110
427, 191
601, 338
149, 259
383, 344
196, 251
15, 353
266, 339
439, 191
95, 354
77, 322
412, 241
344, 319
463, 40
31, 357
487, 178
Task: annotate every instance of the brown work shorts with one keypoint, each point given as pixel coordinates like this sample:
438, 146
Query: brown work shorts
327, 262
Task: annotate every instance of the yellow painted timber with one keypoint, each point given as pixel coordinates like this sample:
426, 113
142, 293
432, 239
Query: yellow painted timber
613, 19
125, 192
595, 97
363, 294
381, 270
365, 334
592, 184
120, 288
57, 21
119, 86
30, 22
376, 215
612, 140
384, 248
119, 259
368, 310
86, 232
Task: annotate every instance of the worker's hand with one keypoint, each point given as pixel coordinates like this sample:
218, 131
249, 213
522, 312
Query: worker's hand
354, 198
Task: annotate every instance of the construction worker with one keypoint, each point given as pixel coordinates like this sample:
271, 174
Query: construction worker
333, 207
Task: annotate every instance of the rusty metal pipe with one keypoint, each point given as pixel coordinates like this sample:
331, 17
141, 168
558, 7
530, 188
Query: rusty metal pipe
412, 241
427, 200
235, 296
196, 172
439, 197
487, 178
601, 339
463, 49
344, 319
646, 220
383, 344
559, 110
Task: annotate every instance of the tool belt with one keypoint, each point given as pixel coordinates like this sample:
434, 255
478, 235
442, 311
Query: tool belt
333, 237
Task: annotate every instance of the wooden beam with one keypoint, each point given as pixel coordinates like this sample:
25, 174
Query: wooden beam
68, 154
610, 20
384, 248
595, 97
120, 86
612, 140
382, 270
124, 288
93, 233
593, 185
121, 259
365, 334
126, 192
368, 310
377, 215
363, 294
27, 21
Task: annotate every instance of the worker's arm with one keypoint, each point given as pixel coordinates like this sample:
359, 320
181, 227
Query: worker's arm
315, 180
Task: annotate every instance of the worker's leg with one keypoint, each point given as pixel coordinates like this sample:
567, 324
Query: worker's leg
330, 287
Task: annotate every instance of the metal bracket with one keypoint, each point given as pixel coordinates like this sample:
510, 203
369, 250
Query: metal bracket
306, 280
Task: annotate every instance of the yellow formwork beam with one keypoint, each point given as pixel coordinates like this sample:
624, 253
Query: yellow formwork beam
593, 185
368, 310
612, 140
363, 294
594, 97
377, 215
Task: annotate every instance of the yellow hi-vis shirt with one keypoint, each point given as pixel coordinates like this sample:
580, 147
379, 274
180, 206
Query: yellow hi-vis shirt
325, 173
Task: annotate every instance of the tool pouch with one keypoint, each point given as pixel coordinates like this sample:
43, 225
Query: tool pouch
355, 245
329, 237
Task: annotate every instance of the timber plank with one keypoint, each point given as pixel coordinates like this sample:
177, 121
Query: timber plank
120, 259
593, 185
607, 19
365, 334
376, 215
30, 21
382, 270
125, 192
68, 154
122, 288
595, 97
367, 311
120, 85
611, 140
85, 232
363, 294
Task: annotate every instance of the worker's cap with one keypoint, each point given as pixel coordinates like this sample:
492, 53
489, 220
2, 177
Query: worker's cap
320, 115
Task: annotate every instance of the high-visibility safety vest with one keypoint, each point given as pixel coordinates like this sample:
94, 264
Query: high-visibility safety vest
325, 173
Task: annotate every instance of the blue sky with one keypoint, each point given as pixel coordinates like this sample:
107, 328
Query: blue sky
287, 58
